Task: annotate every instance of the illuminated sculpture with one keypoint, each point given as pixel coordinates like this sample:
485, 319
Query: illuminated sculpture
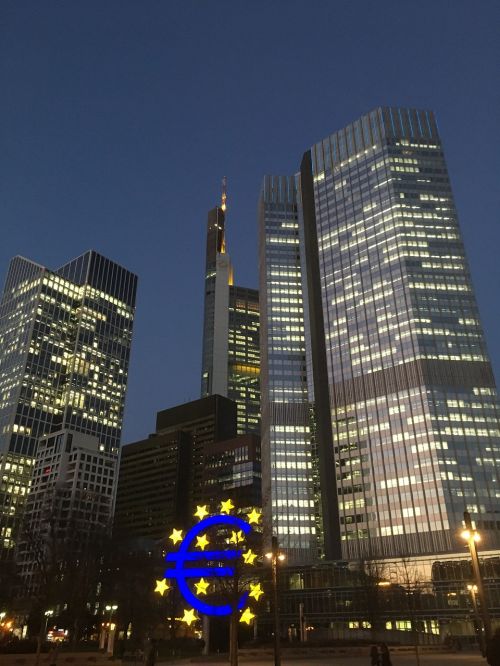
202, 564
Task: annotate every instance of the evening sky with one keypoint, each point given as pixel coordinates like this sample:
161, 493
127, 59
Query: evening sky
118, 119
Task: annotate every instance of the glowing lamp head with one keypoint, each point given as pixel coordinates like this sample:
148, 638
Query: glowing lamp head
477, 537
281, 557
465, 535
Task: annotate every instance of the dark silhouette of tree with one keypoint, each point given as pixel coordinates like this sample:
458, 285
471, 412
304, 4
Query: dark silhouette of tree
129, 572
60, 553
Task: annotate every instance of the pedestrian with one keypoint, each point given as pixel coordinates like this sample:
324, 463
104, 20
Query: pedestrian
53, 654
385, 655
151, 653
121, 648
374, 656
493, 649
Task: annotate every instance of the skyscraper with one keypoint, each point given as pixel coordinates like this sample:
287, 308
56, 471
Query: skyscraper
397, 366
231, 354
65, 339
290, 486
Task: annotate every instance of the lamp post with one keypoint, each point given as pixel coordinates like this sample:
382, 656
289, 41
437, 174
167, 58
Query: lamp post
40, 637
275, 557
48, 614
477, 619
472, 537
111, 633
111, 610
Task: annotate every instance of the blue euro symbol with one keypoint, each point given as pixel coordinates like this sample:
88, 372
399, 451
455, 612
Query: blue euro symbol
181, 573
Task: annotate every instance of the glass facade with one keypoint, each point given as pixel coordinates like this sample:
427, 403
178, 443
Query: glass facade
231, 353
65, 340
289, 500
389, 600
244, 357
412, 399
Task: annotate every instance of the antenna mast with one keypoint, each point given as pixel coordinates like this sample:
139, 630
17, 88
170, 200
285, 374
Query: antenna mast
224, 194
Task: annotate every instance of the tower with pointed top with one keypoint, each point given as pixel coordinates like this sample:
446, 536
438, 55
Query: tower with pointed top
231, 354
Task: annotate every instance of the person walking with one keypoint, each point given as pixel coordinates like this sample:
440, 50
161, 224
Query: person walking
53, 654
374, 656
385, 655
493, 649
151, 653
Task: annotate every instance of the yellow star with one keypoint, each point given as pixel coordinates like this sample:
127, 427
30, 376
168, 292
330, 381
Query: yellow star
162, 586
254, 516
247, 616
256, 591
236, 537
249, 557
189, 617
176, 536
225, 507
201, 587
202, 541
201, 512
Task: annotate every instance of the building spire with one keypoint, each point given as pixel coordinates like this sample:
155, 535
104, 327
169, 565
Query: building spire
224, 194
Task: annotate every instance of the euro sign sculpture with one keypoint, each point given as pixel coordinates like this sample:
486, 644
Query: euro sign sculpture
181, 573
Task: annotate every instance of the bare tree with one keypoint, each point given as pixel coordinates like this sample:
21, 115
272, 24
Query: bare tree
373, 600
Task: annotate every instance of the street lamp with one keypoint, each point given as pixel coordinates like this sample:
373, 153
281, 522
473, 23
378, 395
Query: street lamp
111, 608
477, 619
275, 556
472, 537
48, 614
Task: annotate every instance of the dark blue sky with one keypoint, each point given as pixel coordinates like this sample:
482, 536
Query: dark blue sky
118, 120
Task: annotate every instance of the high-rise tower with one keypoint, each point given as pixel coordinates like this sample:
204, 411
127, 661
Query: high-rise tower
65, 339
289, 470
397, 365
231, 354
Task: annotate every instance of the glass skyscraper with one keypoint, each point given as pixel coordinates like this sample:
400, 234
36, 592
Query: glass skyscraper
65, 340
289, 489
231, 352
398, 370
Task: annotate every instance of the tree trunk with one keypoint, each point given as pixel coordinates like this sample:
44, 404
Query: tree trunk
233, 638
39, 641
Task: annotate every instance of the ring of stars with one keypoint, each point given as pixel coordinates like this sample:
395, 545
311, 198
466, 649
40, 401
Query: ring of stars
202, 541
201, 512
249, 557
254, 517
162, 586
176, 536
201, 586
256, 591
225, 507
189, 617
247, 616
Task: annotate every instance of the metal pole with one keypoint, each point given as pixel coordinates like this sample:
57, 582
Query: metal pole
274, 570
477, 618
478, 577
206, 634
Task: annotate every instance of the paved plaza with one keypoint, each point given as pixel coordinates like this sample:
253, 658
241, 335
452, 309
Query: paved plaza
84, 659
467, 659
